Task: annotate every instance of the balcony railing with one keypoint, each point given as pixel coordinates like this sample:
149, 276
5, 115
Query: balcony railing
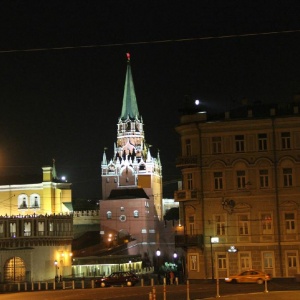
186, 161
185, 195
185, 240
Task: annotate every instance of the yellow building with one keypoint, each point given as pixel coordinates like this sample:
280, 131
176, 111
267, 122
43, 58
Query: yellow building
240, 196
36, 229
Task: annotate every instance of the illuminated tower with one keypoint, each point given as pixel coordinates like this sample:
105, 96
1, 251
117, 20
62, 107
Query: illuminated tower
132, 179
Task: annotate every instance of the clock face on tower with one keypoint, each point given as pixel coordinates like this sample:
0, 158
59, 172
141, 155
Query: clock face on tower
122, 218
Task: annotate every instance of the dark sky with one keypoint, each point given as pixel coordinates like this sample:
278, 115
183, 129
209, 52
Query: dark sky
65, 103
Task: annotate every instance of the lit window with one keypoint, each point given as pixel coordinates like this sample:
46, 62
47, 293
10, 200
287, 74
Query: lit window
27, 228
266, 223
193, 259
51, 226
136, 214
13, 229
109, 215
23, 201
35, 201
41, 228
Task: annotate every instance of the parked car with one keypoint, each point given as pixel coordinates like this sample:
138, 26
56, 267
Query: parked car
250, 276
118, 278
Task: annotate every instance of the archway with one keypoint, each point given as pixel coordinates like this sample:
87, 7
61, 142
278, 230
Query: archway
14, 270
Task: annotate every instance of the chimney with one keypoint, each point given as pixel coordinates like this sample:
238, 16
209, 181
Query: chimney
272, 111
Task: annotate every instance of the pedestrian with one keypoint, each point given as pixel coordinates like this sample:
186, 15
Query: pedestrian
172, 276
167, 278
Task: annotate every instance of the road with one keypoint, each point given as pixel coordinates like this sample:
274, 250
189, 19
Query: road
196, 291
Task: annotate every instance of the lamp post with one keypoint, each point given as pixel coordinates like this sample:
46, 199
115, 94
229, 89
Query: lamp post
56, 269
213, 240
175, 255
157, 258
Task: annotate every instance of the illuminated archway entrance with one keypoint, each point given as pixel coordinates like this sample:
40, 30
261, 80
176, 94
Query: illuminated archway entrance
14, 269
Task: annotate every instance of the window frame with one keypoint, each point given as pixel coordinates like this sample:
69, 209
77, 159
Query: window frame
216, 144
287, 174
285, 140
264, 178
239, 143
241, 179
262, 139
218, 180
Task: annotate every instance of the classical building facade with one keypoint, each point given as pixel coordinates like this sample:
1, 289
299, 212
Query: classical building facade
240, 200
131, 205
36, 229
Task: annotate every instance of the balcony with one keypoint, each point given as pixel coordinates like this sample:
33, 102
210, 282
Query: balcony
185, 195
188, 161
185, 241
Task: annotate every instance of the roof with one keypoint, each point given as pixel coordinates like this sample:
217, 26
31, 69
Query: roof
133, 193
129, 107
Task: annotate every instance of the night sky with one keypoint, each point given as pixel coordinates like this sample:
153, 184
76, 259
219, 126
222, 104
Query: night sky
63, 64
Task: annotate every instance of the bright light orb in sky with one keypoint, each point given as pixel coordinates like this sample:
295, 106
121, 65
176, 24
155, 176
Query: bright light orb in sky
197, 102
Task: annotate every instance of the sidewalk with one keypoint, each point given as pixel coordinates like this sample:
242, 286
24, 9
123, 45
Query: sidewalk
281, 295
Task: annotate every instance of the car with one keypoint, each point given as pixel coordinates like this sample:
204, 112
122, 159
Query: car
118, 278
250, 276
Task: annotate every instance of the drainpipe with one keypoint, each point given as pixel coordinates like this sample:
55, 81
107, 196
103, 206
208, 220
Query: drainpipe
277, 196
201, 200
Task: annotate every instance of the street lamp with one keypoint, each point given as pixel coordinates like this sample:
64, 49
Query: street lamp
213, 240
56, 269
157, 258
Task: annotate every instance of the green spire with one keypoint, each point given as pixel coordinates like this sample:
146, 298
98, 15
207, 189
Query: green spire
129, 108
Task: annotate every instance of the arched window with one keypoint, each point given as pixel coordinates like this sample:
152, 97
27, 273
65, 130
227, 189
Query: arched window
108, 214
23, 201
27, 228
14, 270
35, 201
41, 228
136, 214
13, 229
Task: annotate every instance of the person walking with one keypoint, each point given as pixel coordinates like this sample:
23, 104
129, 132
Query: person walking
172, 276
